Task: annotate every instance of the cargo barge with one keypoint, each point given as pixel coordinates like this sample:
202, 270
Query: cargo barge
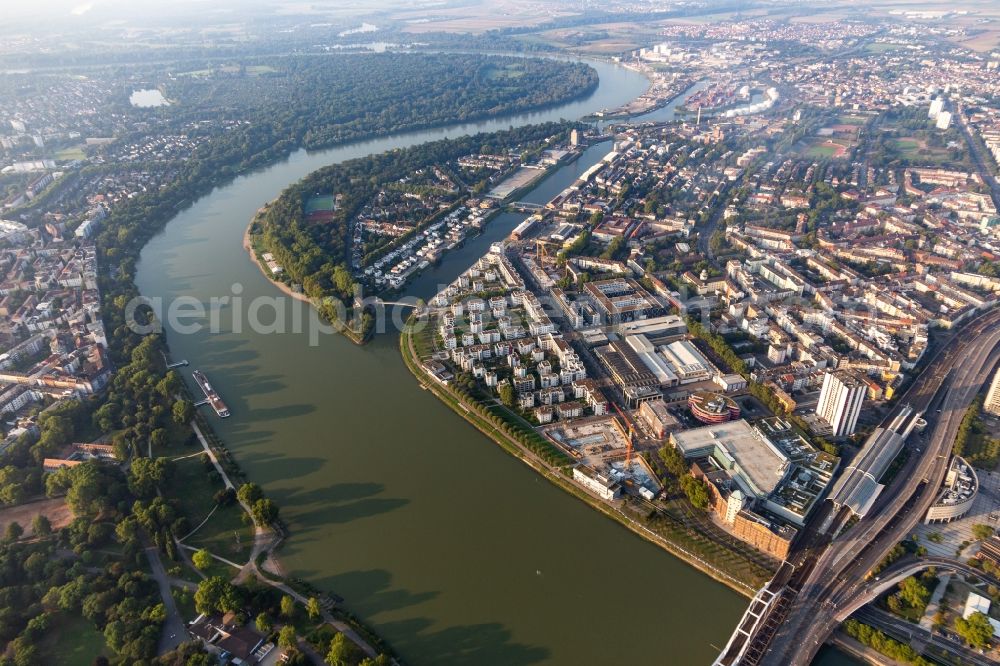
210, 395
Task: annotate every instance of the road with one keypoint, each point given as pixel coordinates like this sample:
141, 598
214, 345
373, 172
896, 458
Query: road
828, 577
909, 566
706, 231
909, 633
978, 150
173, 632
841, 571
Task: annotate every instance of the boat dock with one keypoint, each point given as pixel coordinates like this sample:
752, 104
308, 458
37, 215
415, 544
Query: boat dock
176, 364
211, 397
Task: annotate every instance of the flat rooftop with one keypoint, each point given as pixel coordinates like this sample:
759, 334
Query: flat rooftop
667, 324
738, 447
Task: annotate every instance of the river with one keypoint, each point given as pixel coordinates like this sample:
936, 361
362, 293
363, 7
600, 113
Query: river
450, 548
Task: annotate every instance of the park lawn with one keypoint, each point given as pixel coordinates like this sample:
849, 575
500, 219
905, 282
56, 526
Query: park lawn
72, 641
916, 150
185, 603
220, 533
179, 434
539, 445
195, 494
982, 451
260, 69
914, 613
881, 47
187, 573
192, 490
506, 72
220, 569
907, 144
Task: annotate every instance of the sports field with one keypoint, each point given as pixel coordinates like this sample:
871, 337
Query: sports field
827, 148
851, 120
320, 204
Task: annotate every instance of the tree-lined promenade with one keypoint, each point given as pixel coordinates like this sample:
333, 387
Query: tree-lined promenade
518, 438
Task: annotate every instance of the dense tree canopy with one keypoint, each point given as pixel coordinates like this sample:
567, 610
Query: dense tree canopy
976, 630
341, 104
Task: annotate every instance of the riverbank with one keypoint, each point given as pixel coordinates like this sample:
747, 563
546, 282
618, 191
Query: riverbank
284, 288
264, 565
557, 476
661, 93
355, 497
248, 246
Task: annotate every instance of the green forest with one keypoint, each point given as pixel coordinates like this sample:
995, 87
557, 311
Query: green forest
319, 101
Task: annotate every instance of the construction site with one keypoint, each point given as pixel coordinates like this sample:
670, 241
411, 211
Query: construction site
604, 445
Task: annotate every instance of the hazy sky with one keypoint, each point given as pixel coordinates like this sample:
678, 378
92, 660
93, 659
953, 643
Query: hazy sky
53, 9
69, 8
69, 14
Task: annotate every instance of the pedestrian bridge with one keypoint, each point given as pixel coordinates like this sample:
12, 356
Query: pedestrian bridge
526, 207
402, 303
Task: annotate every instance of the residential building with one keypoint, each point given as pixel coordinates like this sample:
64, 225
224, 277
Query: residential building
840, 401
992, 403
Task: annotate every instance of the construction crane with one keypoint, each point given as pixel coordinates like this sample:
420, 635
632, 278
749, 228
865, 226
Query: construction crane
540, 252
628, 439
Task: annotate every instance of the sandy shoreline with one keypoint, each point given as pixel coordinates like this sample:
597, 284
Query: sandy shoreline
253, 257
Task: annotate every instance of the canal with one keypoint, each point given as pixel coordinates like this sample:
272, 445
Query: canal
451, 549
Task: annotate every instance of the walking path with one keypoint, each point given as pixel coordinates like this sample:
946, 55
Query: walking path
211, 456
210, 514
927, 621
263, 538
264, 541
173, 632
